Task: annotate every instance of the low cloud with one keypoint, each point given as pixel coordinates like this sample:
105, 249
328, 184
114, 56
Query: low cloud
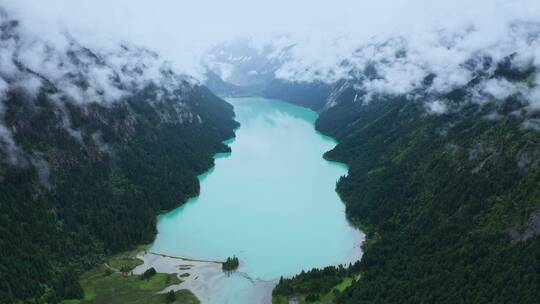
436, 107
67, 71
78, 72
388, 47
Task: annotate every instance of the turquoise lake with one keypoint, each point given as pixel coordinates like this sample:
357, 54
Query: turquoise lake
271, 202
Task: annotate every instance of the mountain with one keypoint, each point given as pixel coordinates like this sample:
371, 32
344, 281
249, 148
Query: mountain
444, 184
243, 63
223, 88
313, 95
93, 143
240, 68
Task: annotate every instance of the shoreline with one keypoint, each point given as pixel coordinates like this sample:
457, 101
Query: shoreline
203, 274
191, 271
184, 258
204, 278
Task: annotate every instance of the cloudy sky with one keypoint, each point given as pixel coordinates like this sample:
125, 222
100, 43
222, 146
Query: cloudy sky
182, 29
437, 36
403, 40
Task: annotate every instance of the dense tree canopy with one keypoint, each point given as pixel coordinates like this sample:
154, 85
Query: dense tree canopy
450, 200
97, 199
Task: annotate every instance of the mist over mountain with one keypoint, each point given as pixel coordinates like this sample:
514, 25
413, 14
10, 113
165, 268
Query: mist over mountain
67, 73
243, 64
426, 67
93, 142
110, 110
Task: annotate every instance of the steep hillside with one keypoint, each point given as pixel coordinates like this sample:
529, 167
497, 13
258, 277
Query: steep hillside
223, 88
93, 144
306, 94
446, 186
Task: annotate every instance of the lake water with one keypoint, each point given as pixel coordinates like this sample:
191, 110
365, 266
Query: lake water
271, 202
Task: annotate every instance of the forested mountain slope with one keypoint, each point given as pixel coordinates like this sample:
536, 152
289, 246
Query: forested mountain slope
447, 188
93, 144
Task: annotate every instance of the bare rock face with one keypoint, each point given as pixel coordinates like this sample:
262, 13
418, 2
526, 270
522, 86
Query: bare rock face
529, 230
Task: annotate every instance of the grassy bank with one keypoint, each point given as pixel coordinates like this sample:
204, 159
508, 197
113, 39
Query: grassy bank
113, 282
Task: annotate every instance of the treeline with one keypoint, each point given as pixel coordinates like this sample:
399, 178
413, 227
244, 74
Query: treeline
315, 281
89, 198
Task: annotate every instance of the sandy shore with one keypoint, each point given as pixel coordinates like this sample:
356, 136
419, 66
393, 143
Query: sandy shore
207, 281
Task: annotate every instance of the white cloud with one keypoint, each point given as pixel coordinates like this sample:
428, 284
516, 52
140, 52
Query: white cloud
436, 107
500, 88
181, 30
403, 41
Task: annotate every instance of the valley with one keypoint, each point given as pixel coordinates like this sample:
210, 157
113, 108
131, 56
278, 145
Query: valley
279, 153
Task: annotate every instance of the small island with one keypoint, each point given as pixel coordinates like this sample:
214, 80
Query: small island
230, 265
